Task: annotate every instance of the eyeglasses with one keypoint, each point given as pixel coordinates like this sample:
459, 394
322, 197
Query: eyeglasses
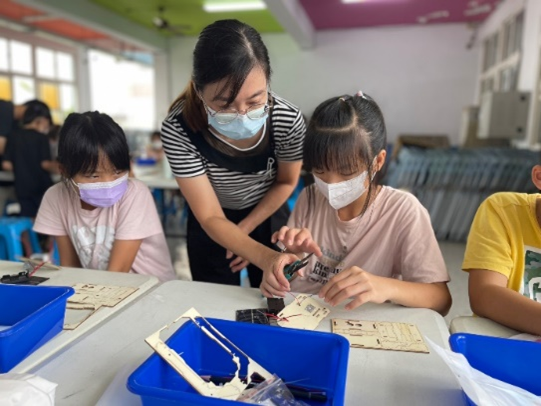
226, 116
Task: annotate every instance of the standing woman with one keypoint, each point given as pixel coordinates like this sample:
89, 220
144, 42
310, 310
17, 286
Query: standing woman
235, 149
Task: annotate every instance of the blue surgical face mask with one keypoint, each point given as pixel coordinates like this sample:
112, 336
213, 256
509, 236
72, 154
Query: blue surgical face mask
240, 128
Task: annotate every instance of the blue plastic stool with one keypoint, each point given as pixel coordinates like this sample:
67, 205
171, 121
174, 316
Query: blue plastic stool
55, 254
11, 229
293, 198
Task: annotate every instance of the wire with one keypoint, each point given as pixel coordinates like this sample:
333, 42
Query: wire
35, 269
295, 297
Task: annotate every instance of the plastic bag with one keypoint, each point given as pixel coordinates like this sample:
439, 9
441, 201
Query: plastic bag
26, 390
481, 388
270, 392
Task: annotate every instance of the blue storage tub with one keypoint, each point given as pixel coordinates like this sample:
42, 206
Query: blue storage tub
512, 361
32, 315
313, 360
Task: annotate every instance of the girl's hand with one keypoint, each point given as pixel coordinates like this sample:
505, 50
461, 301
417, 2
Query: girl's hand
297, 240
274, 282
357, 284
239, 263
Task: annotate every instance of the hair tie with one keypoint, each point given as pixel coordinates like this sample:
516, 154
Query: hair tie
361, 94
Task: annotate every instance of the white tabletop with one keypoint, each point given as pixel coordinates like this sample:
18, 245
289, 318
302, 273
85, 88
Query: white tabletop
159, 182
6, 176
69, 277
375, 377
480, 325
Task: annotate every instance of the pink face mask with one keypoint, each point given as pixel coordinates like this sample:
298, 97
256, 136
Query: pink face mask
103, 194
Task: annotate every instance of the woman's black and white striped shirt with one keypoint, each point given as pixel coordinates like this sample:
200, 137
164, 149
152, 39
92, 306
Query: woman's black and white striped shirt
235, 190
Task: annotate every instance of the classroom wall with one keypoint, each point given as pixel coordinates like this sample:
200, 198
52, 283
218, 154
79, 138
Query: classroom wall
422, 76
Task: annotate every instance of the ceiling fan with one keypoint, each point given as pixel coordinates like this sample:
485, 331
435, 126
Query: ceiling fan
162, 24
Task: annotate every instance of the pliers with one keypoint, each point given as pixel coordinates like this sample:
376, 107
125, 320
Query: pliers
290, 269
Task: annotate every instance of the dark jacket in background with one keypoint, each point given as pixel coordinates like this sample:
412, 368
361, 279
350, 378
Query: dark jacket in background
26, 150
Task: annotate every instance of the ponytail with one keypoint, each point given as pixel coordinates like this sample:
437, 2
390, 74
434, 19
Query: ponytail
192, 111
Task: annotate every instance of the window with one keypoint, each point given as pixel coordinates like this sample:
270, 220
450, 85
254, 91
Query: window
3, 54
30, 69
501, 57
133, 84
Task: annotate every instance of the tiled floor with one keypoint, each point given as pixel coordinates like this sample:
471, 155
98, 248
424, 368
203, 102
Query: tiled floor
452, 253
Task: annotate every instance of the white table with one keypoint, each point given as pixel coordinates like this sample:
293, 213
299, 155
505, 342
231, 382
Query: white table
69, 277
159, 182
6, 176
480, 325
375, 377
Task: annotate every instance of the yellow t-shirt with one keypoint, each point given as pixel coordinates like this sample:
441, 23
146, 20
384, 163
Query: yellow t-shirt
505, 237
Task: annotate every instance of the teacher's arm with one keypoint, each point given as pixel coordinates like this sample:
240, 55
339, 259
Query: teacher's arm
286, 181
206, 208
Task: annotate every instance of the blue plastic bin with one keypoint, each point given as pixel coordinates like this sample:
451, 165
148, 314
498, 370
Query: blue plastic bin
513, 361
34, 315
312, 359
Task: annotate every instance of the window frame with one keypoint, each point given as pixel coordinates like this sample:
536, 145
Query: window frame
35, 41
504, 56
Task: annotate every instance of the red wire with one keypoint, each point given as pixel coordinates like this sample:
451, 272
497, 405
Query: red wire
295, 297
35, 269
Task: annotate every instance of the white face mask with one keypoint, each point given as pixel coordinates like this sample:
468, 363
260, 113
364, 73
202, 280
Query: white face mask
343, 193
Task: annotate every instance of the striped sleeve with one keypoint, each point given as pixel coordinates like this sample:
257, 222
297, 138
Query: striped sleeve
289, 130
184, 158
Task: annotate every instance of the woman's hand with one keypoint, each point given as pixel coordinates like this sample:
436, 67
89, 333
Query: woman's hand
274, 281
297, 240
239, 263
355, 283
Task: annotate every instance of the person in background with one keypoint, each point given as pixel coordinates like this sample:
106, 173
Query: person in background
155, 149
53, 141
372, 243
503, 259
99, 218
28, 155
10, 115
235, 149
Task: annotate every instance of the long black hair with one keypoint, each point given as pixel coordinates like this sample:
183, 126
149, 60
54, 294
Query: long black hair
345, 134
85, 137
226, 49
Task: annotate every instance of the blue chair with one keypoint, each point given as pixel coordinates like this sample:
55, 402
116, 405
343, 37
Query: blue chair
55, 254
11, 229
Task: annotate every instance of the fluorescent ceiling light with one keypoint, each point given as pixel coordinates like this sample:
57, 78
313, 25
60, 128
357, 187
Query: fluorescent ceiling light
234, 6
353, 1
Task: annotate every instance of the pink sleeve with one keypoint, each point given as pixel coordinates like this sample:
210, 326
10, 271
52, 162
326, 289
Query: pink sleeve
137, 214
419, 255
49, 220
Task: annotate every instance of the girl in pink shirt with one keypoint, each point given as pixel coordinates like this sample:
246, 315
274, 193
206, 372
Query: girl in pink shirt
371, 243
100, 218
